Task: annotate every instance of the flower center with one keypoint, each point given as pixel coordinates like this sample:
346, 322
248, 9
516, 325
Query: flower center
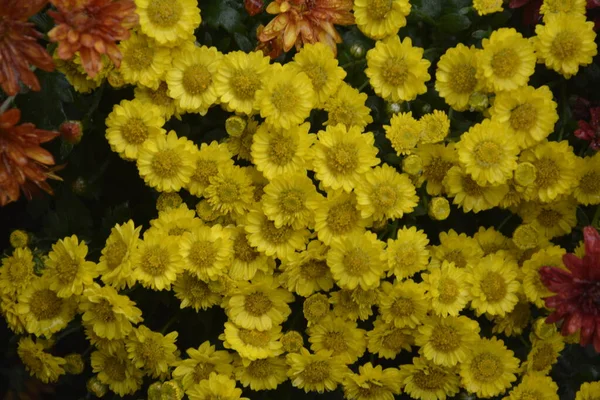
257, 304
114, 254
260, 369
543, 357
164, 13
403, 307
151, 352
406, 256
282, 150
394, 340
18, 270
436, 170
486, 367
205, 169
245, 83
317, 74
283, 99
335, 342
471, 187
103, 311
530, 394
523, 117
445, 340
275, 235
590, 183
342, 217
342, 159
166, 163
316, 372
487, 153
45, 304
341, 114
565, 45
505, 63
255, 338
139, 58
384, 197
449, 291
493, 287
463, 78
202, 254
549, 218
457, 257
378, 9
313, 269
291, 201
177, 231
242, 249
202, 371
547, 171
115, 368
196, 79
430, 380
395, 71
356, 262
155, 261
135, 131
159, 96
67, 269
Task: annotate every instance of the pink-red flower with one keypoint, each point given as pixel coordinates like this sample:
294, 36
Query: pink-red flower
92, 28
19, 47
590, 131
577, 299
24, 165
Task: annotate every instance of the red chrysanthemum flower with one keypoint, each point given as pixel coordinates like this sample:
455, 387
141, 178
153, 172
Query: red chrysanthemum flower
590, 131
577, 299
306, 21
19, 47
24, 165
92, 28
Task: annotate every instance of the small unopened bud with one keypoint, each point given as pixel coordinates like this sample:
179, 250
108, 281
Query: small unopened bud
79, 186
75, 364
412, 165
439, 208
235, 126
393, 108
71, 131
168, 200
357, 50
315, 307
171, 391
525, 174
155, 391
292, 342
115, 79
479, 102
95, 387
526, 237
19, 239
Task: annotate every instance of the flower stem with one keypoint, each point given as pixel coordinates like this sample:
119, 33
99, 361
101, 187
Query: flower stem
6, 104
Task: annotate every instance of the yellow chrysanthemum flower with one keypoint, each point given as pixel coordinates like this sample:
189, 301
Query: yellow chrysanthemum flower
455, 248
456, 76
9, 309
166, 162
277, 151
383, 193
115, 262
191, 78
108, 313
551, 219
372, 383
529, 113
565, 42
544, 354
143, 62
318, 62
317, 372
201, 363
251, 343
209, 160
490, 240
131, 124
347, 106
403, 132
230, 191
397, 70
488, 153
17, 272
506, 61
341, 155
239, 77
307, 272
76, 75
534, 386
345, 306
206, 251
265, 374
247, 260
494, 285
403, 303
447, 341
40, 364
286, 98
174, 222
194, 293
160, 98
267, 238
240, 145
379, 19
315, 308
338, 216
436, 160
292, 342
469, 195
484, 7
490, 368
343, 338
588, 391
387, 341
357, 260
67, 271
587, 189
514, 322
425, 380
552, 7
555, 166
435, 126
217, 386
152, 351
259, 305
408, 253
169, 22
117, 371
157, 261
447, 289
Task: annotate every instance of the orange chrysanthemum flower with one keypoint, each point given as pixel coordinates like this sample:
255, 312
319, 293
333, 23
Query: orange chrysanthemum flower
306, 21
92, 28
24, 165
19, 47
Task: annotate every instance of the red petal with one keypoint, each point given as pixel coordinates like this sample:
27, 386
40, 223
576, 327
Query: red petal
10, 118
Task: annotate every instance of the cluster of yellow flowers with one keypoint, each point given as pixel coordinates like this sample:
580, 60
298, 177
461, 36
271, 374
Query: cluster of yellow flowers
306, 220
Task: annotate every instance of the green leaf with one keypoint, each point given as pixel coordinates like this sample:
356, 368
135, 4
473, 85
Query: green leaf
222, 14
242, 42
453, 23
429, 8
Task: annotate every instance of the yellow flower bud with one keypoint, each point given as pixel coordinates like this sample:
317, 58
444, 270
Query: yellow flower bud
292, 342
478, 102
171, 391
526, 237
19, 239
315, 307
115, 79
439, 208
96, 387
166, 201
155, 391
75, 364
525, 174
235, 125
206, 212
412, 165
